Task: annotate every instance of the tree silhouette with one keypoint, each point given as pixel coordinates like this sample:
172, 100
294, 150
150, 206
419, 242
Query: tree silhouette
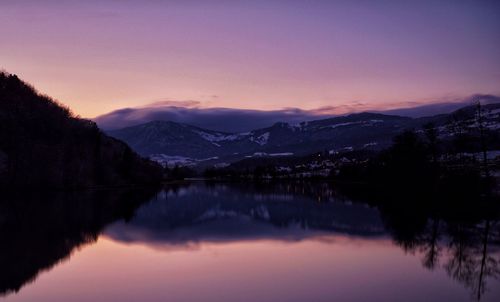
43, 145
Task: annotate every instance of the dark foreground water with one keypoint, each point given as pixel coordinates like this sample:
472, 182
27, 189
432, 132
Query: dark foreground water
199, 242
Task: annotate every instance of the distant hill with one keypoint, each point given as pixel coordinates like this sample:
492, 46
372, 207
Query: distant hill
175, 143
43, 145
167, 141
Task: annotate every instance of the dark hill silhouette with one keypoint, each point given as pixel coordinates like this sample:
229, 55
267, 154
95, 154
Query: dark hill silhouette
44, 145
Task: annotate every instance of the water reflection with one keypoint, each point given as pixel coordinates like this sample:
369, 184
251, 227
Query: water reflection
221, 213
38, 231
474, 255
459, 241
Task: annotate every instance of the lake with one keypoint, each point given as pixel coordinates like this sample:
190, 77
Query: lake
240, 242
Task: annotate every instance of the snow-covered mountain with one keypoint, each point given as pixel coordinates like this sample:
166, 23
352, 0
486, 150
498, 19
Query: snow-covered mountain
170, 142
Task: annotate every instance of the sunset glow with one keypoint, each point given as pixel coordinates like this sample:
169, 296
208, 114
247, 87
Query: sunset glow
98, 56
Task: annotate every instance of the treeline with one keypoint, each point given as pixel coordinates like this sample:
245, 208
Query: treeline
43, 145
427, 156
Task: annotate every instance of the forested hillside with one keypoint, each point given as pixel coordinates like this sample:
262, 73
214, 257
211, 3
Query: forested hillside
44, 145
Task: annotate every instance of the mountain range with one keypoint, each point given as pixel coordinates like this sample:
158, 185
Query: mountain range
174, 143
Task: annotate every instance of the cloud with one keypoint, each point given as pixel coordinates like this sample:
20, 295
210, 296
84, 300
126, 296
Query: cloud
439, 106
241, 120
341, 109
220, 119
173, 103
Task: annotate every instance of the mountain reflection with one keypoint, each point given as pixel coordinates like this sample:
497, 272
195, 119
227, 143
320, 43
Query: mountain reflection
462, 241
189, 215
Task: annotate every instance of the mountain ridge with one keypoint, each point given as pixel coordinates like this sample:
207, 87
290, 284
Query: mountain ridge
167, 141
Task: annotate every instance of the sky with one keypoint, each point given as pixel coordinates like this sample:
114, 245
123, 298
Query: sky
99, 56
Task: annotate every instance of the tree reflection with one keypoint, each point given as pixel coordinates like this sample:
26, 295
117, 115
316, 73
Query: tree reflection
449, 233
430, 245
38, 231
473, 258
469, 251
445, 229
455, 230
461, 264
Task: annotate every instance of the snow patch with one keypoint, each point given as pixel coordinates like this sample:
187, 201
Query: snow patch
220, 137
281, 154
221, 165
363, 123
261, 139
342, 124
171, 161
370, 144
261, 154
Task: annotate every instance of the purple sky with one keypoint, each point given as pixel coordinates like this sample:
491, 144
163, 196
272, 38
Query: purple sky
97, 56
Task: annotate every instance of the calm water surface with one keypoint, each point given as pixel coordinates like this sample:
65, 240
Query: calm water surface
199, 242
